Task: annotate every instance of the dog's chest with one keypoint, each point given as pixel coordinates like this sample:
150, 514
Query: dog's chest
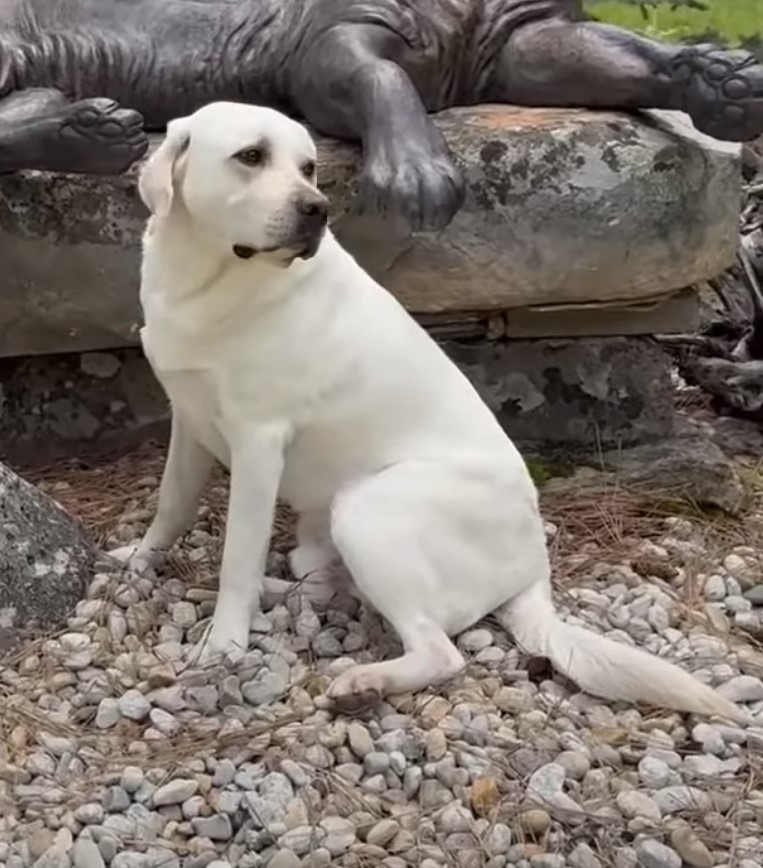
192, 388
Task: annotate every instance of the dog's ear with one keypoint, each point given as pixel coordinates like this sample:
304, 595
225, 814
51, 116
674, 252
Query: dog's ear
156, 181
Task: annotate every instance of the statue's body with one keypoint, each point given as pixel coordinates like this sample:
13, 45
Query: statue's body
79, 79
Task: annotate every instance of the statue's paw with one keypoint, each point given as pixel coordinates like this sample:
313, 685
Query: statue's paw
423, 187
721, 90
113, 136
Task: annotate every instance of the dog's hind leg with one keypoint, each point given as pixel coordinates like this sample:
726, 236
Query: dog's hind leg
315, 562
377, 529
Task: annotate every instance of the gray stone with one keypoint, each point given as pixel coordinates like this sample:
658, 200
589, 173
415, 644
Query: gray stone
56, 405
653, 772
546, 784
45, 557
264, 689
216, 828
743, 688
86, 854
755, 595
498, 839
653, 854
55, 857
690, 848
583, 856
340, 835
672, 800
576, 393
382, 833
134, 705
89, 814
690, 466
475, 640
360, 741
302, 839
131, 779
285, 859
116, 800
632, 803
687, 465
175, 792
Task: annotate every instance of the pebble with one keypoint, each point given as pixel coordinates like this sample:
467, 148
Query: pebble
755, 595
382, 833
414, 779
475, 640
653, 772
86, 854
535, 821
359, 739
216, 828
108, 714
55, 857
174, 792
132, 779
632, 803
742, 688
133, 705
690, 848
285, 859
672, 800
116, 800
340, 835
653, 854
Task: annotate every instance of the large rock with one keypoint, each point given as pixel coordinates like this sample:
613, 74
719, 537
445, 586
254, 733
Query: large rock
686, 466
569, 395
45, 559
563, 208
565, 394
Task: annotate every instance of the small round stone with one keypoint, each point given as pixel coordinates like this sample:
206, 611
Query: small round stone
653, 854
133, 705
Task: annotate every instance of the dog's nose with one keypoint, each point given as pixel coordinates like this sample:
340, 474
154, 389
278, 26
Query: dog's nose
313, 211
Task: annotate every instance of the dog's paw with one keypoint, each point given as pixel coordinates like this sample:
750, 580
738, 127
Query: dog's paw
140, 562
358, 687
218, 646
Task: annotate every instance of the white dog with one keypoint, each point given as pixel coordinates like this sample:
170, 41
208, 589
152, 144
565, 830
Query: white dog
286, 362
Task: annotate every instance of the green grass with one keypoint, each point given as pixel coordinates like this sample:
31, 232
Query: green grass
733, 22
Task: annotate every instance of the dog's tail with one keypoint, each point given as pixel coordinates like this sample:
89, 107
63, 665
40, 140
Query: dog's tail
604, 667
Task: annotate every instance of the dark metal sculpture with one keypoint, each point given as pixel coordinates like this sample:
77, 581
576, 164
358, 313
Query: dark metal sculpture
80, 79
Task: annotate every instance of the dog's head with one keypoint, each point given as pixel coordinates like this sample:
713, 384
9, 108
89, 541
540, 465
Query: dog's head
246, 175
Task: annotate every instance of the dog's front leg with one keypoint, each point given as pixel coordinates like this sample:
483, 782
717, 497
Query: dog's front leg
256, 467
186, 473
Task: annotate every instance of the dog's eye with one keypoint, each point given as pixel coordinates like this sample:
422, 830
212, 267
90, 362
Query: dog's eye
251, 156
308, 168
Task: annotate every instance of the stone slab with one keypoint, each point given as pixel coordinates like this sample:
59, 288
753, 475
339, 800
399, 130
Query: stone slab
562, 207
560, 394
663, 315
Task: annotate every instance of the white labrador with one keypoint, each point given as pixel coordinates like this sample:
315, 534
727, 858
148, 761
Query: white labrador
286, 362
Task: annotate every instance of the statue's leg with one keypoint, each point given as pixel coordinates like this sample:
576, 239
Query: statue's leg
41, 129
347, 86
573, 63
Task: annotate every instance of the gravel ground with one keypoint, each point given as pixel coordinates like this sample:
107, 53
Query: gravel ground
115, 753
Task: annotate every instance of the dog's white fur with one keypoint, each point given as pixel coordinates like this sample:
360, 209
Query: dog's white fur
311, 383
